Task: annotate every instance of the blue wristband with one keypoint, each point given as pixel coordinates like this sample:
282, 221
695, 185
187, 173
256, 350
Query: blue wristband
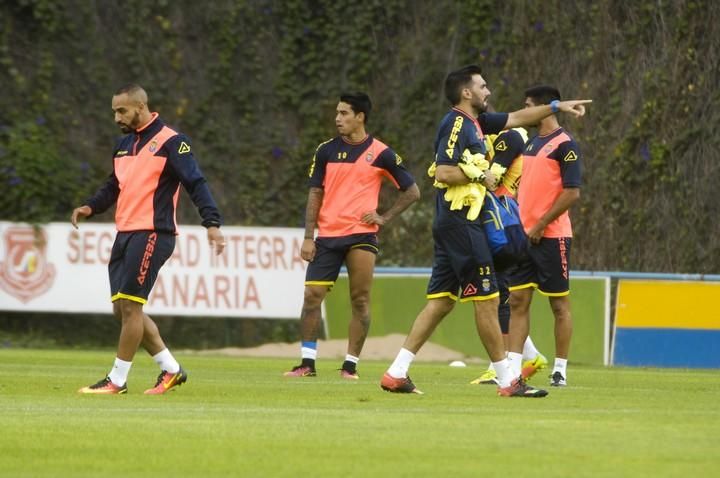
555, 106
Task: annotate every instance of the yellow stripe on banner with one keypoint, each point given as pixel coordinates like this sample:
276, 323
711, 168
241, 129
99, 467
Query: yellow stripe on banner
668, 304
128, 297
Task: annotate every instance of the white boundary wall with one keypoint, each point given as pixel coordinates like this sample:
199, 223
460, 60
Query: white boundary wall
56, 268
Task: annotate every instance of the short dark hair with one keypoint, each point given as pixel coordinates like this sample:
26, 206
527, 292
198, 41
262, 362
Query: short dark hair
134, 91
359, 102
130, 89
542, 94
459, 79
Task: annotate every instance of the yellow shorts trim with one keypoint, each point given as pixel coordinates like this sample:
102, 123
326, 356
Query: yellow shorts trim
440, 295
480, 297
554, 294
328, 283
128, 297
371, 246
523, 286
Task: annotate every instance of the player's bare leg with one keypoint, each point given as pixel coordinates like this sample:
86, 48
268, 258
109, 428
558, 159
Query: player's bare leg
131, 333
171, 373
396, 378
311, 314
520, 300
563, 334
563, 325
361, 265
510, 384
427, 320
310, 329
152, 342
488, 327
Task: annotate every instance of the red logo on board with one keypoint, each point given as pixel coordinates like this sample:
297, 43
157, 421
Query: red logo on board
25, 272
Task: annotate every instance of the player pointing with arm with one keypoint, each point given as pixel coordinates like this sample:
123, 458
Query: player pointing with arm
462, 265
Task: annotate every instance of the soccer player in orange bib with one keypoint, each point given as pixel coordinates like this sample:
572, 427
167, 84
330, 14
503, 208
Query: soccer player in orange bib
550, 185
149, 164
345, 178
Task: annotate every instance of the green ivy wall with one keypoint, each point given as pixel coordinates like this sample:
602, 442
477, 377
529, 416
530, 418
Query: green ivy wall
255, 83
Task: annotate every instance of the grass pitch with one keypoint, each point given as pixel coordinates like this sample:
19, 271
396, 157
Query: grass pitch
240, 417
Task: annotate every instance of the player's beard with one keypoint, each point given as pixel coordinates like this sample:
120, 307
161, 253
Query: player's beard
134, 123
481, 105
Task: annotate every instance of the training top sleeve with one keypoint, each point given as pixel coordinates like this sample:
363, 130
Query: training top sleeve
318, 166
568, 155
508, 145
392, 163
492, 123
182, 161
105, 196
108, 193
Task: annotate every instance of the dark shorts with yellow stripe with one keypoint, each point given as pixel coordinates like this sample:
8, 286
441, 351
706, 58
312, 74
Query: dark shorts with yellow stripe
462, 265
547, 267
135, 261
330, 253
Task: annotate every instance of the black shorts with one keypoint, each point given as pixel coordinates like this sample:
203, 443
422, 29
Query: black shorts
330, 255
462, 265
135, 261
547, 267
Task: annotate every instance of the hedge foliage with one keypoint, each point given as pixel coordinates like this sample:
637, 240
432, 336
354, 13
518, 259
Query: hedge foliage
254, 83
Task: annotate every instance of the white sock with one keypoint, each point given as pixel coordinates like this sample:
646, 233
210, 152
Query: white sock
504, 373
352, 358
515, 361
400, 366
560, 366
119, 373
308, 353
166, 361
492, 366
529, 350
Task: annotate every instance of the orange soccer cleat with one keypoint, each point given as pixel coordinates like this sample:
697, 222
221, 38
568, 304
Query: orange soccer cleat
167, 381
104, 387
